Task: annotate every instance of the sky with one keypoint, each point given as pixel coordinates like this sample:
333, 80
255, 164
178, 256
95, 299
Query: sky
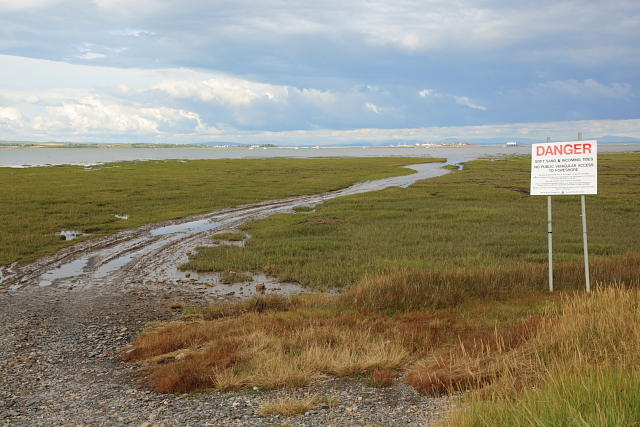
308, 72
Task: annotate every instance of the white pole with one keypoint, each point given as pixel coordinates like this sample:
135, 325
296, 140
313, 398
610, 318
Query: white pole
550, 234
584, 236
584, 241
550, 238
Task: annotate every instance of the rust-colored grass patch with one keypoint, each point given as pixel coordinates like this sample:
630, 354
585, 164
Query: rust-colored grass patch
272, 342
380, 378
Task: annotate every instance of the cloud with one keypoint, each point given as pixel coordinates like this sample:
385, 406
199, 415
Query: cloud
90, 55
93, 116
588, 88
10, 114
372, 107
463, 100
129, 32
13, 5
460, 100
11, 119
87, 52
558, 131
223, 90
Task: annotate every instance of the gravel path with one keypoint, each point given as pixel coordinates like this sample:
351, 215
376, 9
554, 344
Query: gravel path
60, 337
59, 366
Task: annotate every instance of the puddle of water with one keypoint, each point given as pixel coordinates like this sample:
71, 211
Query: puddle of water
210, 282
187, 227
71, 269
122, 216
71, 234
112, 265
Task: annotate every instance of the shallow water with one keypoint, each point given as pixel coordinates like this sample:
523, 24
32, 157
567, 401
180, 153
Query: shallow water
71, 269
71, 234
187, 227
159, 242
42, 157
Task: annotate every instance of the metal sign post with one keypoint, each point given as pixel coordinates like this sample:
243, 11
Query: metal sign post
584, 236
565, 168
550, 234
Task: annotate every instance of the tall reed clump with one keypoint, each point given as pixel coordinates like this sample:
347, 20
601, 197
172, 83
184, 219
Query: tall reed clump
581, 368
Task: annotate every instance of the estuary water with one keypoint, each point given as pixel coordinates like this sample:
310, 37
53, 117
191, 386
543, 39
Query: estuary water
42, 157
89, 156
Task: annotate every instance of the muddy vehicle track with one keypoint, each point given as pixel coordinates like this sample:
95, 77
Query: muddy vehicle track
65, 318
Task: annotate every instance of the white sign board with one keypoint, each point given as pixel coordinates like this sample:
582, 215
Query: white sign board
564, 168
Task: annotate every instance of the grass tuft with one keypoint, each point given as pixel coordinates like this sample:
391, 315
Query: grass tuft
289, 407
303, 208
231, 277
228, 237
380, 378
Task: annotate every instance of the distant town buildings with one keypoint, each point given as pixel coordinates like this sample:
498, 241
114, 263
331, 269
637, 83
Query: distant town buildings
442, 144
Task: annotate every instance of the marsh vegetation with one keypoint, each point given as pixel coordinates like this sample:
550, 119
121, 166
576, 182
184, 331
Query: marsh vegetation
445, 280
37, 203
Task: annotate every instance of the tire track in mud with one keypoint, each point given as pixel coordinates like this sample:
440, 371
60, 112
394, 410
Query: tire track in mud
151, 254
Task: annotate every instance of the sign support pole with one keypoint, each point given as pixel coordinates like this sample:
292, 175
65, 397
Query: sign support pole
550, 234
584, 240
584, 236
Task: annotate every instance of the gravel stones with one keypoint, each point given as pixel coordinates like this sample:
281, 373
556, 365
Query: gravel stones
60, 366
60, 342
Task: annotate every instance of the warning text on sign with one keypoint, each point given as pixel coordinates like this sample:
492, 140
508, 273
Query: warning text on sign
564, 168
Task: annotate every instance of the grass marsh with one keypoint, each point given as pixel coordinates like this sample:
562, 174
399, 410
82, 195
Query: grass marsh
479, 218
445, 280
37, 203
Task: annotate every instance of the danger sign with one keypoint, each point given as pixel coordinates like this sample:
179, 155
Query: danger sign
564, 168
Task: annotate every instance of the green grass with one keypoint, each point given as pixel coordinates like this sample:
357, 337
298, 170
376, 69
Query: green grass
446, 280
593, 398
228, 237
36, 203
479, 218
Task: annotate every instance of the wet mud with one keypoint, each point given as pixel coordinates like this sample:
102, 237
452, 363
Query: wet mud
65, 319
147, 258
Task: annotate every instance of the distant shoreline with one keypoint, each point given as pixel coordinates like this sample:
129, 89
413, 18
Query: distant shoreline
28, 145
84, 146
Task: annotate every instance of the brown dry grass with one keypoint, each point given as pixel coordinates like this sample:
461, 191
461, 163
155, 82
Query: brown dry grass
272, 342
447, 338
585, 352
583, 331
380, 378
268, 349
289, 407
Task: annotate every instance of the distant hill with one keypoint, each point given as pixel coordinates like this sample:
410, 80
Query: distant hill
612, 138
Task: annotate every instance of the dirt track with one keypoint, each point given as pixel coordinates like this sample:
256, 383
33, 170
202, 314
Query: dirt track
63, 319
